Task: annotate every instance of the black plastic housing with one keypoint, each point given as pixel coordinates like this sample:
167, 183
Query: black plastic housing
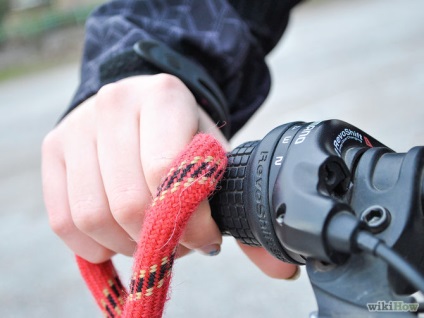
285, 191
288, 185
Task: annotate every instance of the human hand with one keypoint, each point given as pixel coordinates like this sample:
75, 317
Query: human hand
102, 165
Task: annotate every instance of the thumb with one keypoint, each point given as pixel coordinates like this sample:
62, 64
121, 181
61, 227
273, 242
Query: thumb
269, 264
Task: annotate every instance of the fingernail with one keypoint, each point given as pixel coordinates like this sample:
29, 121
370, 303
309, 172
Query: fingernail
295, 275
210, 250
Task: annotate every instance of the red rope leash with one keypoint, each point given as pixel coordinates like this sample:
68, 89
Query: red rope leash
192, 178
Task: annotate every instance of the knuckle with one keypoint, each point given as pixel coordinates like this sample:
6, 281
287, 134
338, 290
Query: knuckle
127, 207
112, 95
61, 226
109, 89
167, 82
126, 92
50, 142
196, 238
169, 88
160, 87
88, 216
155, 171
109, 94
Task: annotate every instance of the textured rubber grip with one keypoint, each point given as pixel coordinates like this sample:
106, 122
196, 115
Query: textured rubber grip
228, 203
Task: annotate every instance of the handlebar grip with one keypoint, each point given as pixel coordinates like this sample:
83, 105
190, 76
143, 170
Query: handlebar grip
228, 203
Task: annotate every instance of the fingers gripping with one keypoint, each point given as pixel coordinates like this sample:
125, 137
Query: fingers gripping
192, 178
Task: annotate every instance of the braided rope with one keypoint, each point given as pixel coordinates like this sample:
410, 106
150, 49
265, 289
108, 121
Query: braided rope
192, 178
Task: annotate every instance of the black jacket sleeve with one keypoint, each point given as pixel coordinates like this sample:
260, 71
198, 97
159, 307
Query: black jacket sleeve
229, 39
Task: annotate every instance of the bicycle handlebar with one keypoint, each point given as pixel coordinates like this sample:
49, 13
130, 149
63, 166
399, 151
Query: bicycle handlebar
287, 192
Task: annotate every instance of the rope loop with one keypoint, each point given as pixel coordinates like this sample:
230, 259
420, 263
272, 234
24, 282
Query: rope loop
191, 179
